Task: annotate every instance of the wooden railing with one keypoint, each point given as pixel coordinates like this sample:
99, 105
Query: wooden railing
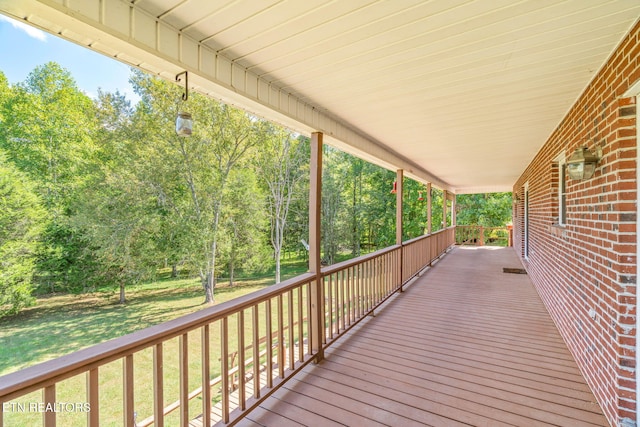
425, 248
232, 355
481, 236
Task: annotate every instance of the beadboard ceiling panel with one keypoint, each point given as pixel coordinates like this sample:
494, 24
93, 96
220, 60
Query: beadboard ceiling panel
460, 92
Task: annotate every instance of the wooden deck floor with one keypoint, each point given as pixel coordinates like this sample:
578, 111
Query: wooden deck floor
465, 344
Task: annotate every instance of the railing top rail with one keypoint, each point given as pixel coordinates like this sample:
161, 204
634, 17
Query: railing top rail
351, 262
355, 261
424, 236
483, 226
51, 371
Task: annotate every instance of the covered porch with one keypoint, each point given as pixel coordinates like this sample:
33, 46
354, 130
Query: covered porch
464, 344
459, 95
459, 341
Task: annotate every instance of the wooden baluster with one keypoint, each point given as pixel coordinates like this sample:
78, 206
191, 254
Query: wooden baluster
300, 326
355, 278
256, 350
184, 379
342, 301
348, 296
93, 394
366, 287
292, 350
379, 278
330, 305
310, 298
241, 361
385, 285
158, 386
49, 401
362, 277
224, 368
280, 337
269, 332
372, 283
127, 377
354, 286
206, 372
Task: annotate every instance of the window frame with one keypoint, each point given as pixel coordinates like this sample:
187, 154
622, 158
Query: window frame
562, 191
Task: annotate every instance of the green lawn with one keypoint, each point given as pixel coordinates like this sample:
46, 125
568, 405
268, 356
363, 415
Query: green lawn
61, 324
58, 325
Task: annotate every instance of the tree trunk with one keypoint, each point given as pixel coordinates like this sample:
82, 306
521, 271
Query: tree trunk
277, 265
122, 297
211, 275
231, 273
174, 271
208, 285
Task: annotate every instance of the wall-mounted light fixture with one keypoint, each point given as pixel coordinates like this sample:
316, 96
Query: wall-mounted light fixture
184, 122
582, 163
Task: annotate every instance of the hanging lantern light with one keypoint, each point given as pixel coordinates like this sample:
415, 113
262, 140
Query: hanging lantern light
395, 187
184, 124
582, 163
184, 121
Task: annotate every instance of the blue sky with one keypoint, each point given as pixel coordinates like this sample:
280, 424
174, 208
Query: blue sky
22, 48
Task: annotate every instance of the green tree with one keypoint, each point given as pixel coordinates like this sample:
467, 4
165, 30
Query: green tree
52, 145
5, 94
282, 163
379, 207
334, 214
488, 209
123, 230
116, 209
244, 225
47, 132
354, 185
436, 209
414, 209
222, 137
22, 220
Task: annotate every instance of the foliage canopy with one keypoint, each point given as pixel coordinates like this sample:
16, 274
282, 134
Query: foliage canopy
102, 194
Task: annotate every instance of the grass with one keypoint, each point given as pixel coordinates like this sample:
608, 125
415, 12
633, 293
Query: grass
61, 324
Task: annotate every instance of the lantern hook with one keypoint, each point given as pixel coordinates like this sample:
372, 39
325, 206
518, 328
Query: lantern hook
185, 95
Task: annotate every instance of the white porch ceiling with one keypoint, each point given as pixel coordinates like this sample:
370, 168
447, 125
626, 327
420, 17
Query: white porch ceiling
458, 92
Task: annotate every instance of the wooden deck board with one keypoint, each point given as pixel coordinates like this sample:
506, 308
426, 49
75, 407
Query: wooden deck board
324, 404
294, 413
468, 393
465, 344
466, 357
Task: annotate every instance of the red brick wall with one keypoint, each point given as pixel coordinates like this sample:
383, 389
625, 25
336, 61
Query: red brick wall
586, 271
